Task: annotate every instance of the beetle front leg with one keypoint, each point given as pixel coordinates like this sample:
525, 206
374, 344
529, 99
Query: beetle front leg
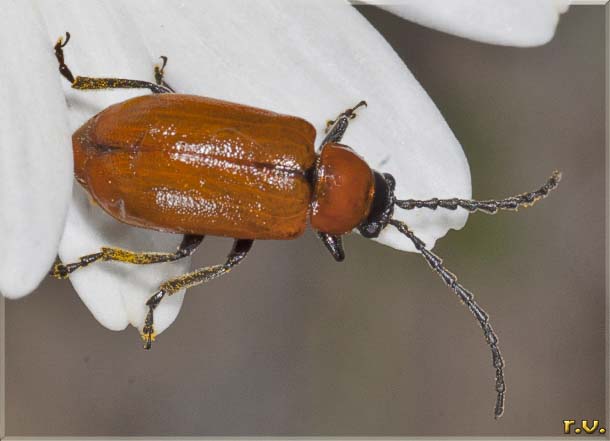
240, 249
186, 248
160, 72
89, 83
335, 129
334, 245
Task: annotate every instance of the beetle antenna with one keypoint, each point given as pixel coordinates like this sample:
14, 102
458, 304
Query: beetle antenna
436, 263
491, 206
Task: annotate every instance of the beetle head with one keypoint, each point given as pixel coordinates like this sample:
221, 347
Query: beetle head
382, 206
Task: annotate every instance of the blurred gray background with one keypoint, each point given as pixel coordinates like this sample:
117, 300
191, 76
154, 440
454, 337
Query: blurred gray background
295, 344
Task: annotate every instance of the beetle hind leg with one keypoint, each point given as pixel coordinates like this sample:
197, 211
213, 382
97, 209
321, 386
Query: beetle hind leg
90, 83
186, 248
240, 249
59, 54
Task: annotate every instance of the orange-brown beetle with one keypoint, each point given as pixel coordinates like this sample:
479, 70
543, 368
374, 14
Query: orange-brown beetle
195, 166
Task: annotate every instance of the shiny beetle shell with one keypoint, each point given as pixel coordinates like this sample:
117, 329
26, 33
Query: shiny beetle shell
195, 165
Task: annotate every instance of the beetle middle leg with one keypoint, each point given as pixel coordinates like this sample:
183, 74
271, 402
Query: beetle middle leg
89, 83
240, 249
186, 248
335, 129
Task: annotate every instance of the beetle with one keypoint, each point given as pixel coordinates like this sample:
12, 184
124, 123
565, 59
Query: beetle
199, 166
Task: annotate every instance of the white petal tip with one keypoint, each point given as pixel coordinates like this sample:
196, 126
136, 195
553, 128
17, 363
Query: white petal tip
15, 289
562, 6
521, 23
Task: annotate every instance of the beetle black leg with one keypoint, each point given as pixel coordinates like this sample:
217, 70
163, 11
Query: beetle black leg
89, 83
335, 129
334, 244
160, 72
491, 206
186, 248
59, 54
240, 249
436, 263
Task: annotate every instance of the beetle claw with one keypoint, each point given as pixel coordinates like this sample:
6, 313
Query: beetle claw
164, 58
350, 113
60, 41
148, 335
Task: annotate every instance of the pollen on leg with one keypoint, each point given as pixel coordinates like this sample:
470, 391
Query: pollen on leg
127, 256
60, 271
148, 338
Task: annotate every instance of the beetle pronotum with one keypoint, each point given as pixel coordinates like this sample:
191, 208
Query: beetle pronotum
230, 170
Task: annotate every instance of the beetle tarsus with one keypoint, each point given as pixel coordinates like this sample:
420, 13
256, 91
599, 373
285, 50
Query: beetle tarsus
61, 43
62, 271
350, 113
148, 331
59, 54
160, 70
335, 128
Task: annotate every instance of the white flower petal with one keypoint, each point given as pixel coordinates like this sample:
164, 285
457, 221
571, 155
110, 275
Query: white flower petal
104, 45
35, 153
506, 22
268, 54
314, 59
116, 293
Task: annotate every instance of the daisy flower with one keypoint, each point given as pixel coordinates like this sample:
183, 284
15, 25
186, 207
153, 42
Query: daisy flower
312, 59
